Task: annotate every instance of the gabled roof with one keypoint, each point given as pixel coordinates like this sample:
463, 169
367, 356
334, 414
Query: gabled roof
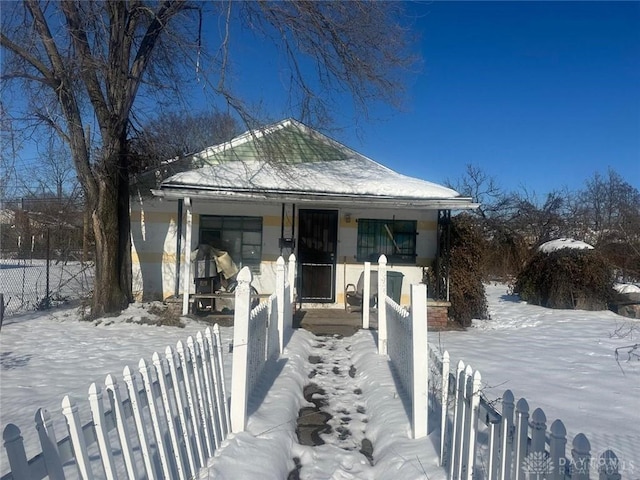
289, 161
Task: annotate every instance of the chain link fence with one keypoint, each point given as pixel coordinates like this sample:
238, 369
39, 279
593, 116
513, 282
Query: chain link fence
42, 272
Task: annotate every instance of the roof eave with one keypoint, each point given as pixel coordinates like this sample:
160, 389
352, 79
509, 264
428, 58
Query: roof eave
176, 193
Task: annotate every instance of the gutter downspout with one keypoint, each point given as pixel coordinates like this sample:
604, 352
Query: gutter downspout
187, 258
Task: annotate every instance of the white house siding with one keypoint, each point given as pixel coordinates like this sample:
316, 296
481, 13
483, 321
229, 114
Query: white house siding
154, 228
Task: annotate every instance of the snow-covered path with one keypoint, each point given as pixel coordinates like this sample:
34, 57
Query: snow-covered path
368, 398
333, 374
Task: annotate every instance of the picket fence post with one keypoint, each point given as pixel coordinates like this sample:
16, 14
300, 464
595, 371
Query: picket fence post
168, 413
200, 396
475, 383
147, 381
136, 407
209, 388
608, 466
49, 444
506, 435
382, 305
280, 291
188, 374
522, 424
15, 451
420, 360
102, 435
466, 393
557, 446
74, 426
458, 423
223, 388
366, 296
240, 345
494, 448
113, 391
581, 454
444, 430
538, 431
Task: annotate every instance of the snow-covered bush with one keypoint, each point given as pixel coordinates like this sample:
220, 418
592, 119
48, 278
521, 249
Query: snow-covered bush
567, 274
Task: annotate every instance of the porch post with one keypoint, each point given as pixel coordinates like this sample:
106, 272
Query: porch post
366, 296
176, 290
186, 284
382, 305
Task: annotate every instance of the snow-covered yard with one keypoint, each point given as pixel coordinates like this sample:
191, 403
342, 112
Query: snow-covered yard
561, 361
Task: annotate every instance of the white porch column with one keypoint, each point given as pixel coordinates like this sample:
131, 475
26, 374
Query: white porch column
186, 278
382, 305
366, 296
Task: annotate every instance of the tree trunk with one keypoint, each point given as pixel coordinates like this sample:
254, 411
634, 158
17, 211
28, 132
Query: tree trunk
112, 286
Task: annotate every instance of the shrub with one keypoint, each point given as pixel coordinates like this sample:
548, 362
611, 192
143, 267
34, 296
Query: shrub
567, 278
466, 292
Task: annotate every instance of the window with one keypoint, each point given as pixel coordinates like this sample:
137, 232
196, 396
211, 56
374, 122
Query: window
240, 237
394, 238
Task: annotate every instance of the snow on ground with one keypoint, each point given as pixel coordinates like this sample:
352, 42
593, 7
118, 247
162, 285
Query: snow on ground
370, 398
560, 360
46, 355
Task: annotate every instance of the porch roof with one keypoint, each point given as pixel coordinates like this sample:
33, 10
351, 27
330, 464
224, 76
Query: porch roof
292, 162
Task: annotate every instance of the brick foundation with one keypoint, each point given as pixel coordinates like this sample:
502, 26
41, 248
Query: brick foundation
437, 315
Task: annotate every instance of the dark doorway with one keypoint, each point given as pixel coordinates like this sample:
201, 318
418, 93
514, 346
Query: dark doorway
317, 244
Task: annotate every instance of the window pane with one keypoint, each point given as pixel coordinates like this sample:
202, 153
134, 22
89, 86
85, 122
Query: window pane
253, 223
395, 239
252, 238
209, 222
241, 237
232, 223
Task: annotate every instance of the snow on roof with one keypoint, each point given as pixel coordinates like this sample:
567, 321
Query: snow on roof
292, 158
561, 243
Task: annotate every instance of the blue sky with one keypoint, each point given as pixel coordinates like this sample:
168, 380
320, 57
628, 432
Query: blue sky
539, 95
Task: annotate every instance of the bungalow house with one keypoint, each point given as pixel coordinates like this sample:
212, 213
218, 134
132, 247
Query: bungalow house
279, 190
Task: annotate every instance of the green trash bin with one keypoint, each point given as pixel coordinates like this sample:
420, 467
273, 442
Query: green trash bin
394, 285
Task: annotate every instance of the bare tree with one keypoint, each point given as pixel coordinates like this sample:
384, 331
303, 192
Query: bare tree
8, 153
175, 135
610, 214
84, 63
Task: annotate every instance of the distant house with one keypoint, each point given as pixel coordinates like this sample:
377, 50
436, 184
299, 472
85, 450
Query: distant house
286, 189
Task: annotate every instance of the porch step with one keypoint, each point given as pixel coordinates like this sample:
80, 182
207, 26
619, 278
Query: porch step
330, 321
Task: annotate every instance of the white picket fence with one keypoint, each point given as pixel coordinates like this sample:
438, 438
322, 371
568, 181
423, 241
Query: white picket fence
514, 444
518, 443
174, 413
402, 335
171, 417
259, 336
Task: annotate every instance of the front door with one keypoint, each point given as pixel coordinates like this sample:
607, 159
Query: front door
317, 244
